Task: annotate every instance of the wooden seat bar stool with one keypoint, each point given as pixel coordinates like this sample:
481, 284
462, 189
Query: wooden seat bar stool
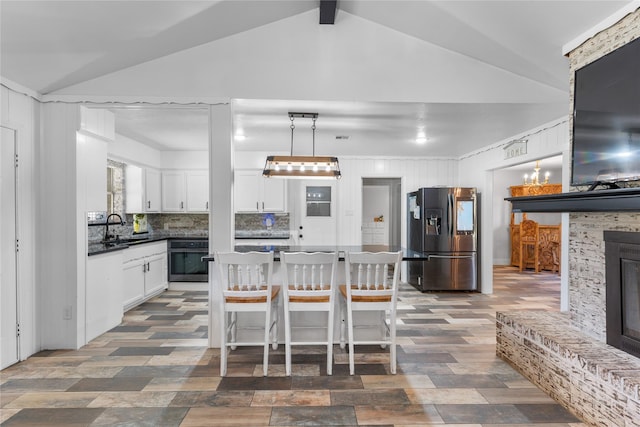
246, 286
308, 286
529, 238
371, 285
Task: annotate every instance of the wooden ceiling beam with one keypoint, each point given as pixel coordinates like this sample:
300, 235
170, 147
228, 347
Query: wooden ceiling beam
328, 11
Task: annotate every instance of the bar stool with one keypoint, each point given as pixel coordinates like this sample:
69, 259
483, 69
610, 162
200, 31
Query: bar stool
308, 285
246, 286
372, 285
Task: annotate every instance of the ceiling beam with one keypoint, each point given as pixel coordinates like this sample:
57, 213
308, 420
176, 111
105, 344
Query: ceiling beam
328, 11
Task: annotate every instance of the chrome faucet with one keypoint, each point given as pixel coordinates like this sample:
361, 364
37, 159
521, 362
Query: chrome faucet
107, 236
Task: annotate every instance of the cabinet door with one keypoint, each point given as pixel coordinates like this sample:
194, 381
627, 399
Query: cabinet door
273, 199
92, 172
103, 293
134, 190
247, 194
133, 273
173, 192
197, 191
156, 275
153, 192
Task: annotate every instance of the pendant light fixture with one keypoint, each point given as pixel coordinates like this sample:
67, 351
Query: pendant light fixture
321, 167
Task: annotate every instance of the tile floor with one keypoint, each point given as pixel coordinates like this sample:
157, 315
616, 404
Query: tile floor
156, 370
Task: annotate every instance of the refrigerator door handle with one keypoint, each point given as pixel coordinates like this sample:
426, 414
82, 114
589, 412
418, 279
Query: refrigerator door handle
450, 256
450, 213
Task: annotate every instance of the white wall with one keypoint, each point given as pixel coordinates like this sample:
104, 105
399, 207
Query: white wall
184, 160
477, 169
21, 113
414, 173
131, 151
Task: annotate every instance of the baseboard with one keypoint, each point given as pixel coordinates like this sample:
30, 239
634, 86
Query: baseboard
188, 286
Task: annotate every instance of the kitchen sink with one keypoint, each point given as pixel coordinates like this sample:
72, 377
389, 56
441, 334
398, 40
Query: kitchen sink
115, 242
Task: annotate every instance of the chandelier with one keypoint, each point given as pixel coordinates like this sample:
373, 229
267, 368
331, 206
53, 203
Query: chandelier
534, 180
302, 166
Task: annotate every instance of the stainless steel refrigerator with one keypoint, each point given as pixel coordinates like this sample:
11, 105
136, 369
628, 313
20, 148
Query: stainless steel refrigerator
443, 223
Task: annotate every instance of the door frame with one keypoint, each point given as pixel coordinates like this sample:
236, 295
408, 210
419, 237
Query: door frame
394, 185
15, 265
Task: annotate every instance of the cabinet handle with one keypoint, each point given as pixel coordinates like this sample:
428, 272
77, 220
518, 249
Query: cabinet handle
257, 206
262, 205
149, 204
144, 268
148, 267
207, 205
181, 205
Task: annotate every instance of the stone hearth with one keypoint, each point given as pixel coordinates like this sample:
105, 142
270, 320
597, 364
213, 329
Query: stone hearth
597, 382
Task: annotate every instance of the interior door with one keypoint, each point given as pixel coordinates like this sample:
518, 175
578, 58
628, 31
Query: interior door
8, 262
318, 225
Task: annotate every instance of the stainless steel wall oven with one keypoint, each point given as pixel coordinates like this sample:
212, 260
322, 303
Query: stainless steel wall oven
185, 260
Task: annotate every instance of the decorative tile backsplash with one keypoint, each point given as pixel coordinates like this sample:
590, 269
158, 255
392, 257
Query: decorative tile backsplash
260, 224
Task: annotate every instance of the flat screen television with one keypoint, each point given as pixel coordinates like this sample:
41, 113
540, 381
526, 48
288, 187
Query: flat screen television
606, 119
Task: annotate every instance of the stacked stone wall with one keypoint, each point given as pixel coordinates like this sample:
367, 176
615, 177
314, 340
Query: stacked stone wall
586, 237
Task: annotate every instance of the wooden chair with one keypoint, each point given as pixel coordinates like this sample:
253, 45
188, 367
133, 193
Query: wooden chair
371, 285
246, 286
529, 237
308, 285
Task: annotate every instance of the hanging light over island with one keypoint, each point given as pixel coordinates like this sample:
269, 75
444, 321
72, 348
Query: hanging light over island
304, 167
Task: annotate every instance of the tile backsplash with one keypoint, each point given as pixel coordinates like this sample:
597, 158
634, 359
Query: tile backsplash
169, 224
277, 223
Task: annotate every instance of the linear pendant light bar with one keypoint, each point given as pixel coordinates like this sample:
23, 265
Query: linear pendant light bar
303, 167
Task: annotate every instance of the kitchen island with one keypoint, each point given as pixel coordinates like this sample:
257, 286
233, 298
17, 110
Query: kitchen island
407, 254
311, 317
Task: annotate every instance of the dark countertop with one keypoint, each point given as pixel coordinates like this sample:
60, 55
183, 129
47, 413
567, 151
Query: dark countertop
263, 234
407, 254
117, 245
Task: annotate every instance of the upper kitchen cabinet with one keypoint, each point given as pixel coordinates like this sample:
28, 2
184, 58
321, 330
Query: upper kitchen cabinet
185, 191
197, 191
95, 133
254, 193
143, 189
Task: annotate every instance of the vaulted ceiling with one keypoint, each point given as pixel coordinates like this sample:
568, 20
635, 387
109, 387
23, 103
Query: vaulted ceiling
463, 73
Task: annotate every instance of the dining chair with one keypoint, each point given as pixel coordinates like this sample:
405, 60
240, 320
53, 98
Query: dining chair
529, 238
308, 286
371, 285
245, 283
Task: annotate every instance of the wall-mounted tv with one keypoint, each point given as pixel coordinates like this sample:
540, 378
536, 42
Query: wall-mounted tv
606, 119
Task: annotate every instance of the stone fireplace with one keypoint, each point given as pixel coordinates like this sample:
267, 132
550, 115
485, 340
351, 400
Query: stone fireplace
623, 290
566, 354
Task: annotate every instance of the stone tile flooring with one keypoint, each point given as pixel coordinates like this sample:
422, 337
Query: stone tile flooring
156, 370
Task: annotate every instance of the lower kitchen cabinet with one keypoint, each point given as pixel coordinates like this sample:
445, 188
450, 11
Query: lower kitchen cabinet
104, 278
144, 272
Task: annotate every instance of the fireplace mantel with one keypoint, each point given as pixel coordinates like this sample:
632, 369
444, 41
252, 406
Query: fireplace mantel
616, 200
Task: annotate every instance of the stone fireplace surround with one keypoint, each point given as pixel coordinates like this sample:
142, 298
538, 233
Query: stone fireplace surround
566, 354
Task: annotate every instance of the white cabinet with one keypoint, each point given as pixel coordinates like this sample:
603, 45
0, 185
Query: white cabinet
143, 192
254, 193
91, 167
144, 271
197, 191
104, 278
375, 233
173, 192
133, 273
152, 189
185, 191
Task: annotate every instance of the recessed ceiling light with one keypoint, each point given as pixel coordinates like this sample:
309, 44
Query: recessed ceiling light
240, 137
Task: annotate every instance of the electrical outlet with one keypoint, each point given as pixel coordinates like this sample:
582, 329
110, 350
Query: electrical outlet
68, 313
